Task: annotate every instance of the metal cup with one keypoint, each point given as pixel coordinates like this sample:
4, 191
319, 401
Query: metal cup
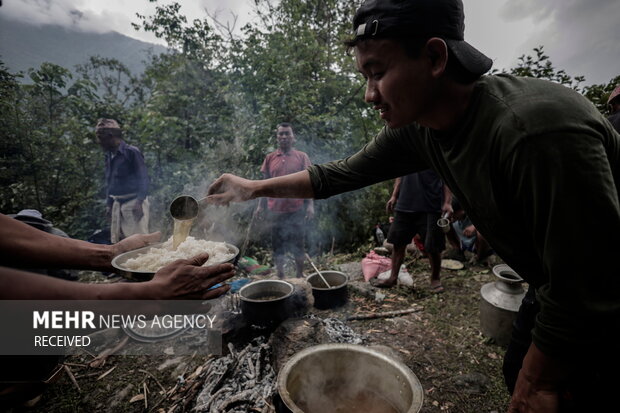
444, 223
185, 207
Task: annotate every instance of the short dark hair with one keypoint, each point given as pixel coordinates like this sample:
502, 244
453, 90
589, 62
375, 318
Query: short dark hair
413, 46
284, 125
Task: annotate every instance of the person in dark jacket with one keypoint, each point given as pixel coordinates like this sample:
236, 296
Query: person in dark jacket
127, 182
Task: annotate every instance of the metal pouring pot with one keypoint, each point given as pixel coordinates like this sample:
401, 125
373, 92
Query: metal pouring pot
499, 304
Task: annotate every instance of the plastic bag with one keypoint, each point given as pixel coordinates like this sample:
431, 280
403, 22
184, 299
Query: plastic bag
374, 264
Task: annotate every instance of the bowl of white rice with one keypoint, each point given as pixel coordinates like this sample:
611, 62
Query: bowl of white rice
143, 263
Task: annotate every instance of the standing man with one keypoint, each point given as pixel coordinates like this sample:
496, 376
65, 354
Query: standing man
288, 216
127, 182
418, 201
524, 157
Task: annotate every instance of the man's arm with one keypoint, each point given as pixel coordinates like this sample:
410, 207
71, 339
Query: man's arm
391, 203
563, 187
262, 202
446, 208
22, 245
183, 279
230, 188
142, 176
389, 155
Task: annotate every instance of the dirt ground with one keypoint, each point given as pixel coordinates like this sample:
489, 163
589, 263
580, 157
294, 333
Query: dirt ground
459, 369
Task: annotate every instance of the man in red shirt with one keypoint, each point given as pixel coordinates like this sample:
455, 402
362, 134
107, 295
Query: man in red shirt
287, 215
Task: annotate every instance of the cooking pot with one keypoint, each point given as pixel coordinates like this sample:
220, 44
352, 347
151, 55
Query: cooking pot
264, 303
347, 378
325, 297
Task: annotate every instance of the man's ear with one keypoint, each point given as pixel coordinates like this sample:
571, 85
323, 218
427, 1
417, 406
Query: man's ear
437, 51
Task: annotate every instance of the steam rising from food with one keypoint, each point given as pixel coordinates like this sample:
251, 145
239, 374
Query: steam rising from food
157, 257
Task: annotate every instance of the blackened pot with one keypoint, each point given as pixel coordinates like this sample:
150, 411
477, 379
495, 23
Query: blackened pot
329, 297
264, 302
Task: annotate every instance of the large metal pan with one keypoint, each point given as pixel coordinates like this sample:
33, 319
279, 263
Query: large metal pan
119, 261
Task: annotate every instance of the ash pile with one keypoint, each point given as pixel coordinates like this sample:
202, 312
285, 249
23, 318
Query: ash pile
239, 382
245, 379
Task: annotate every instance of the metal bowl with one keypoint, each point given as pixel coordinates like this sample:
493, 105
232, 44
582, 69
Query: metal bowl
119, 261
348, 378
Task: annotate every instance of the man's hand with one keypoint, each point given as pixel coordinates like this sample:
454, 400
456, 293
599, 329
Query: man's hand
230, 188
187, 279
137, 210
446, 210
469, 231
391, 203
538, 384
309, 212
134, 242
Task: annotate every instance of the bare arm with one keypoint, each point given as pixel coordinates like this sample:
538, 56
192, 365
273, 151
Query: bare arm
21, 244
391, 203
446, 208
230, 188
183, 279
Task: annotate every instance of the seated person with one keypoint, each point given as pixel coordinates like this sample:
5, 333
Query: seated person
463, 236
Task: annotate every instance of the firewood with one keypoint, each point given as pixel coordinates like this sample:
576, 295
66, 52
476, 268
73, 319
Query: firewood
72, 377
106, 373
100, 360
384, 314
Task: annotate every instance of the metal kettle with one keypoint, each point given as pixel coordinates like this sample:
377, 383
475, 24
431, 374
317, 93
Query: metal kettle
499, 304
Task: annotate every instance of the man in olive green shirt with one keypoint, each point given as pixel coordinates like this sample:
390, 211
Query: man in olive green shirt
534, 164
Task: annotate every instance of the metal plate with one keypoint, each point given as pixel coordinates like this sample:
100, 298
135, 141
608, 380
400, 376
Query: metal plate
452, 265
119, 261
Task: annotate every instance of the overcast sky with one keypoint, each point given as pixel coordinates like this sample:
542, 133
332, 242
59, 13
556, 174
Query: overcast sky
581, 36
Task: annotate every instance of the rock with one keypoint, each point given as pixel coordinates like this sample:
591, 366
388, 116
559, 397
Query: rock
294, 335
302, 299
363, 288
352, 269
472, 383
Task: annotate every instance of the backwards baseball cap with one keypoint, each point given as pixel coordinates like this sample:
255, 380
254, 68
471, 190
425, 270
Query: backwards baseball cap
107, 124
421, 18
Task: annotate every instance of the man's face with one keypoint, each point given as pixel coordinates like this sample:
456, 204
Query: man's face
399, 87
106, 140
285, 137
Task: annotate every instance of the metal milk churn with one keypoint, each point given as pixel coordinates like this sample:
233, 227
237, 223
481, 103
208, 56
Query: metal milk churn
499, 304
